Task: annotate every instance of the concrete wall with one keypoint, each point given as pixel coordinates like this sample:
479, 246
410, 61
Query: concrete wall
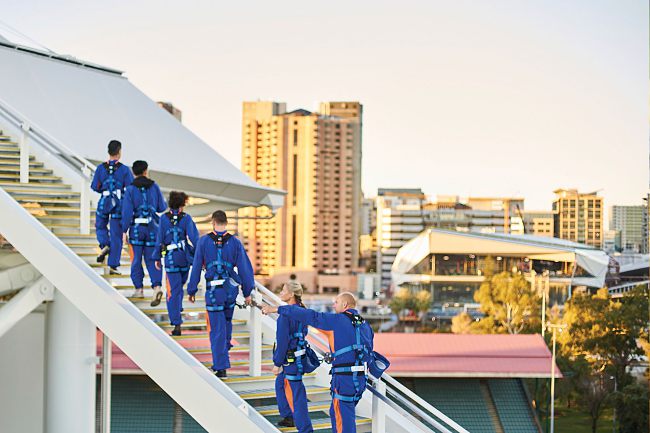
22, 375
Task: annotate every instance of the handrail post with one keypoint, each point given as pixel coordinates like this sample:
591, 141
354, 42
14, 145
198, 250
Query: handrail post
378, 409
255, 337
24, 153
84, 202
106, 384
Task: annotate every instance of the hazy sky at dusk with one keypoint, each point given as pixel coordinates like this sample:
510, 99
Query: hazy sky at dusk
482, 97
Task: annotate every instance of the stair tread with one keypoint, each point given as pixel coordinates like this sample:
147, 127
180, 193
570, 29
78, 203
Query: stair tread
313, 406
269, 393
323, 424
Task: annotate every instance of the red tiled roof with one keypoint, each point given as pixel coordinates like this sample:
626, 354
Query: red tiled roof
451, 355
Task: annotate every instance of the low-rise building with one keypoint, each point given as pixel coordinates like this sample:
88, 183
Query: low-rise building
450, 264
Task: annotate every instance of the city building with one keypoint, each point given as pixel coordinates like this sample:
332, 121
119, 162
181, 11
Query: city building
612, 241
578, 217
169, 107
476, 214
496, 214
632, 224
538, 223
399, 219
450, 264
316, 158
368, 235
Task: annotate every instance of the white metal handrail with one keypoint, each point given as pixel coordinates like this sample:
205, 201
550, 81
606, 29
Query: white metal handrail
140, 338
20, 120
405, 396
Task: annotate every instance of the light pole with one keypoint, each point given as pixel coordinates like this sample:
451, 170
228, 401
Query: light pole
553, 327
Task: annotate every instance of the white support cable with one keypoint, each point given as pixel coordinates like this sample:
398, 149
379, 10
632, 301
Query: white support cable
24, 303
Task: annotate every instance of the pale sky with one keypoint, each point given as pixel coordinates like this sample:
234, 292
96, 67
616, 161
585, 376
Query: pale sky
481, 97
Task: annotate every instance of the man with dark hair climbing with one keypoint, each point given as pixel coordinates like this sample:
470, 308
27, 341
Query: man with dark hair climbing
110, 180
220, 253
142, 203
175, 243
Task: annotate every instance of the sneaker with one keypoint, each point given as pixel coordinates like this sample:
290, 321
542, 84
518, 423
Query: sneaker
103, 253
114, 271
176, 331
138, 293
286, 422
221, 373
157, 296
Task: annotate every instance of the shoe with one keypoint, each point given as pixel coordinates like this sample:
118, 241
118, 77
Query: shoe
103, 253
176, 331
114, 271
138, 293
221, 373
287, 422
156, 297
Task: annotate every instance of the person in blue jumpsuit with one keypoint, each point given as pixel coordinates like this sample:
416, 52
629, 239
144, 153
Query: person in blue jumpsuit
175, 242
348, 375
219, 253
110, 180
141, 205
288, 362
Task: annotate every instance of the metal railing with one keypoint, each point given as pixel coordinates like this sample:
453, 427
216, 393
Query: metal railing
386, 391
80, 166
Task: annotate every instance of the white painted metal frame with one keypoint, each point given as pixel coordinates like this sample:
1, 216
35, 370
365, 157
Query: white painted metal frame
24, 302
208, 400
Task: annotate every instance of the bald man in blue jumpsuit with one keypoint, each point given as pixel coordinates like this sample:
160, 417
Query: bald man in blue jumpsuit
348, 378
219, 253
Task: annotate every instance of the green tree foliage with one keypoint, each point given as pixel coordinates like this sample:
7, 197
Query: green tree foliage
602, 340
604, 331
632, 408
508, 301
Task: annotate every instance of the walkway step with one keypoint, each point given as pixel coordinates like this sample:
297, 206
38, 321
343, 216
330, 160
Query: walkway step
270, 393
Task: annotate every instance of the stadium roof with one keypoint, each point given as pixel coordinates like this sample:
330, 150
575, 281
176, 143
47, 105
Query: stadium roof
84, 106
452, 355
438, 241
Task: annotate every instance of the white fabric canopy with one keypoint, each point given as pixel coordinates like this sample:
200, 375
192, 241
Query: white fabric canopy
85, 107
437, 241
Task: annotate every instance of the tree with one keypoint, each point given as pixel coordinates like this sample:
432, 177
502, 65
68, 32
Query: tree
601, 339
509, 303
462, 324
606, 332
634, 399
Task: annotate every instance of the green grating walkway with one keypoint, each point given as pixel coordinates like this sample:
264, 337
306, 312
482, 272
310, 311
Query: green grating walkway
512, 406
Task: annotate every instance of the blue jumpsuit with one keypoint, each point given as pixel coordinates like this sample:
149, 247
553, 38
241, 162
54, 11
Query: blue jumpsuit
110, 180
289, 389
220, 319
142, 200
177, 237
341, 333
